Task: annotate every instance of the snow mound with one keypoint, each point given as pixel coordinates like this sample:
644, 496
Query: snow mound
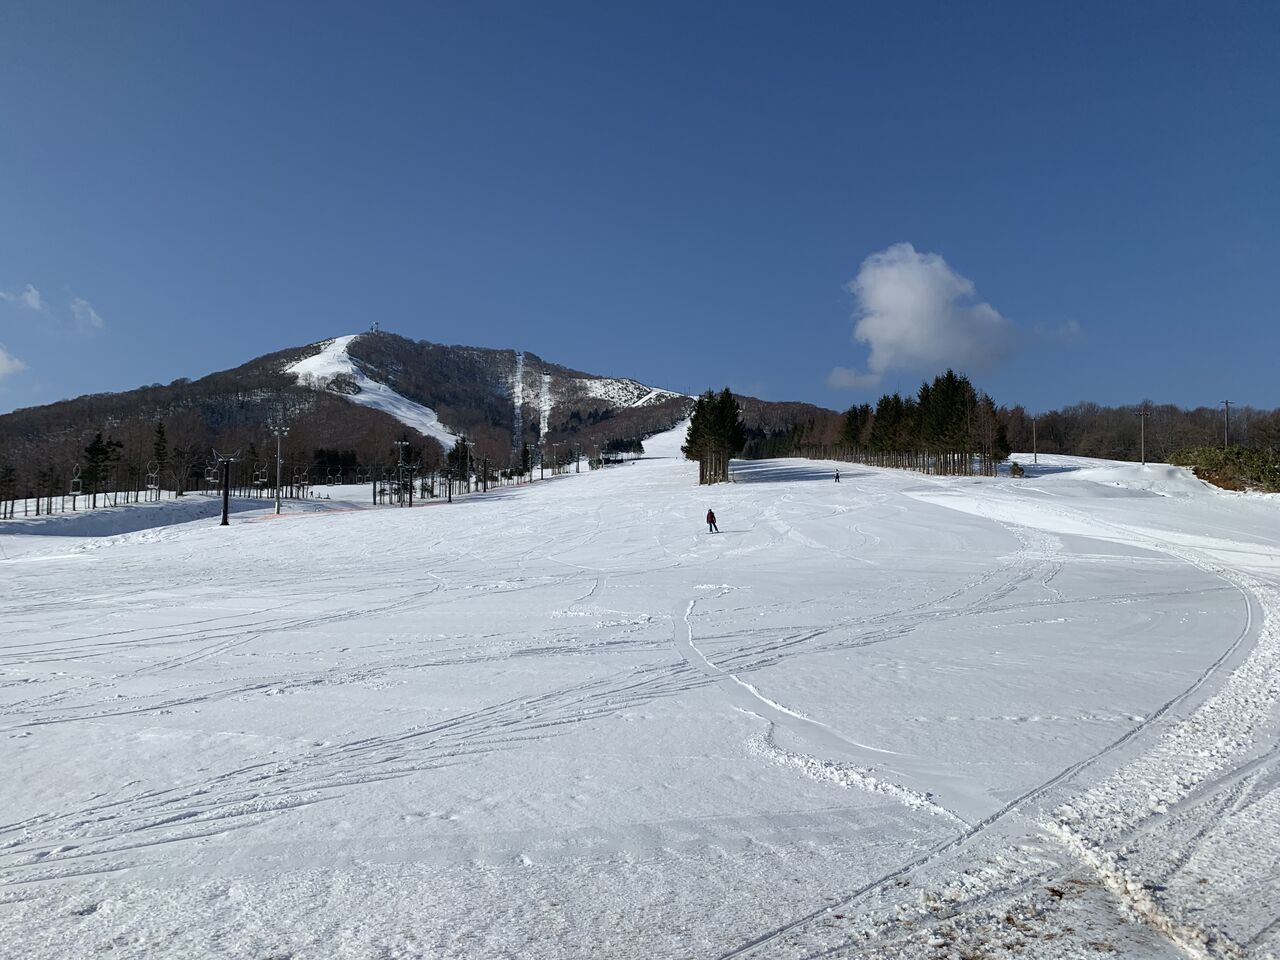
1158, 478
322, 371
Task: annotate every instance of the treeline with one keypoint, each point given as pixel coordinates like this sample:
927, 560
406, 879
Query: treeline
1115, 433
947, 427
934, 429
327, 437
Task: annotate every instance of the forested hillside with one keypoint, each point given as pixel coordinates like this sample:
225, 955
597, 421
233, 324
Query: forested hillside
1115, 433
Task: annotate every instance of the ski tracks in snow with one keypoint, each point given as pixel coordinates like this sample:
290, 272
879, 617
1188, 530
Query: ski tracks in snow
746, 697
1190, 754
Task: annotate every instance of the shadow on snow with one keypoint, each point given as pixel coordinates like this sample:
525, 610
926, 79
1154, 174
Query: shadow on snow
780, 471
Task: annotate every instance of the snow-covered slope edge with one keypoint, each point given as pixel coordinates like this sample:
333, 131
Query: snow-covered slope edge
626, 393
320, 371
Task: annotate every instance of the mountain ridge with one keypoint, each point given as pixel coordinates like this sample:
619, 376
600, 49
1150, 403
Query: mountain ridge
369, 391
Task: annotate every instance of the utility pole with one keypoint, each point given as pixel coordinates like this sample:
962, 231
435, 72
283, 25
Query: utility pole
577, 459
278, 430
401, 444
1035, 457
1226, 422
1142, 420
226, 460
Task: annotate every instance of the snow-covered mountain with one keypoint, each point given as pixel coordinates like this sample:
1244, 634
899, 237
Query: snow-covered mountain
539, 392
354, 395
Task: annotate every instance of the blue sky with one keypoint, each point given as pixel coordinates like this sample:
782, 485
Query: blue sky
1071, 202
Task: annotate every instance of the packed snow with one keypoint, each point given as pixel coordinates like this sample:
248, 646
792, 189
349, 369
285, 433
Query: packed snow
332, 361
626, 393
898, 716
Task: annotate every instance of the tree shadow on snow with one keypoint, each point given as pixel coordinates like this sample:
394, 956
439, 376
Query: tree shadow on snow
774, 471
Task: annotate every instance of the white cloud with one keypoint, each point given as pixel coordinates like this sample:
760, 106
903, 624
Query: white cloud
28, 297
84, 313
918, 314
9, 364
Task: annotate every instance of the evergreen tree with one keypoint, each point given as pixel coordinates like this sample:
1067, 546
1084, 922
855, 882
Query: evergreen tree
716, 435
98, 457
160, 448
857, 420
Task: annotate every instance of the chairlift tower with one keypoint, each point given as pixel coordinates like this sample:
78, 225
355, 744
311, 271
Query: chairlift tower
225, 460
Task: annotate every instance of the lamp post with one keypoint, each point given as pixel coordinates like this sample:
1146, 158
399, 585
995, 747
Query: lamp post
278, 430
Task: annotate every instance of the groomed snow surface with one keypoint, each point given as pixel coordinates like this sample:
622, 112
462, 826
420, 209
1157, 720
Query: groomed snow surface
897, 716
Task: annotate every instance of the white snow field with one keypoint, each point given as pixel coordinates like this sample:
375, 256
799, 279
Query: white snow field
898, 716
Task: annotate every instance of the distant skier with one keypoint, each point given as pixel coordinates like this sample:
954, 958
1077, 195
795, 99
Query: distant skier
837, 476
711, 523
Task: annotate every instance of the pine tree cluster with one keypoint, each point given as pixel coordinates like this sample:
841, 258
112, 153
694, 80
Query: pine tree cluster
948, 427
716, 435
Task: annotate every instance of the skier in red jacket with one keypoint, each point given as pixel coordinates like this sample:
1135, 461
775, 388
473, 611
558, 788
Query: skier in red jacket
711, 523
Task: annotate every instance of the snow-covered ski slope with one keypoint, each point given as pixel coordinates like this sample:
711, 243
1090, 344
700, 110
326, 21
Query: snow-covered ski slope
899, 716
320, 369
